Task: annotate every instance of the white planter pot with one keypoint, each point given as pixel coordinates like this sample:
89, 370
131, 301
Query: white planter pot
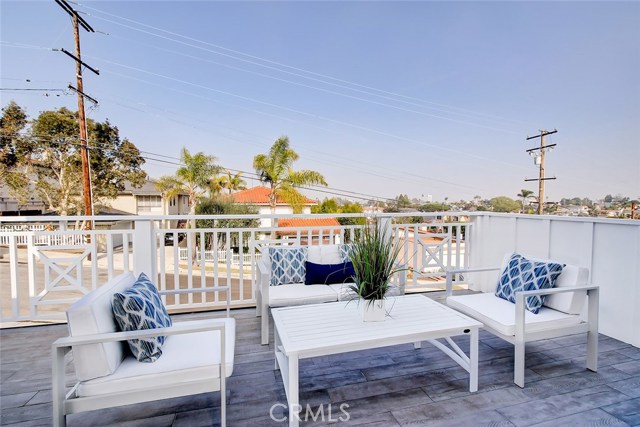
372, 311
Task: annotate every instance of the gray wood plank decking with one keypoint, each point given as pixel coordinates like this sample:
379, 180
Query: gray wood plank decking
392, 386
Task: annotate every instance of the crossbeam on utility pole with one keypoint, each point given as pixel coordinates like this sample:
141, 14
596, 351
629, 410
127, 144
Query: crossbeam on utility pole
539, 160
77, 20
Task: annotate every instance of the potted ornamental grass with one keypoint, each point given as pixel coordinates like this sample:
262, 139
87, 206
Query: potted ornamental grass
374, 255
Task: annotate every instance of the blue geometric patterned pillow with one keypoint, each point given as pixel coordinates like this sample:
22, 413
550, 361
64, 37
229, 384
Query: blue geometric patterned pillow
137, 308
345, 250
287, 265
522, 274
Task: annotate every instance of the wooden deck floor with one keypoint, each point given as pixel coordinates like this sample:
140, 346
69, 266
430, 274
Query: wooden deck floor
392, 386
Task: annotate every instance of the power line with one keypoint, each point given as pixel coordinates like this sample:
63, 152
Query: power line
323, 76
176, 162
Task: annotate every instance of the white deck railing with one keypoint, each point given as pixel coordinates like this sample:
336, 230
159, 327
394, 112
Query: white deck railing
42, 271
51, 266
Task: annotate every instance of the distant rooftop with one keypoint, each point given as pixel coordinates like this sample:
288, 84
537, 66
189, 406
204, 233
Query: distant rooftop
260, 196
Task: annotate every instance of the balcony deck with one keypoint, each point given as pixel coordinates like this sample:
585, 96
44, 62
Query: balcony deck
392, 386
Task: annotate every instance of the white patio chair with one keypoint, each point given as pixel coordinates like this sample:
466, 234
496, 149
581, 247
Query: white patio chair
564, 312
197, 357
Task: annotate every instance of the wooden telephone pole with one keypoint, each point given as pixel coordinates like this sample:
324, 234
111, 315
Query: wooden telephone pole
77, 20
539, 161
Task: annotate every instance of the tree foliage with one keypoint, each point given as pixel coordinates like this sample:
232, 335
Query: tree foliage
44, 158
225, 206
333, 206
276, 169
192, 178
504, 204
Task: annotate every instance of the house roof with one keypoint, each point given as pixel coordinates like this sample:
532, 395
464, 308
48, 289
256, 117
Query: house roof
147, 189
307, 222
260, 196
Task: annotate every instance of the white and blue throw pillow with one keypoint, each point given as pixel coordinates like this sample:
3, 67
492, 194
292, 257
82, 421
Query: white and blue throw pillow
522, 274
345, 252
138, 308
287, 265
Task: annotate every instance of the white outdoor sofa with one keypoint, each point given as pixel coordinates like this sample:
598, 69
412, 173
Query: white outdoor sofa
298, 293
571, 307
197, 357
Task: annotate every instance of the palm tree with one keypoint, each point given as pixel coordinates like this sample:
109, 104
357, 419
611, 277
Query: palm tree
192, 178
235, 182
275, 169
525, 195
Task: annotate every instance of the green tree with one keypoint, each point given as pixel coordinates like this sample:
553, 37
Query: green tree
12, 122
525, 195
47, 158
192, 178
433, 207
326, 206
231, 182
504, 204
225, 206
275, 169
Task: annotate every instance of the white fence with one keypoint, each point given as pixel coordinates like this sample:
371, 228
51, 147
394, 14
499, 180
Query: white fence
47, 270
220, 257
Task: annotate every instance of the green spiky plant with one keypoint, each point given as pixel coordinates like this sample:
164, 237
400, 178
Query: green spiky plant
374, 256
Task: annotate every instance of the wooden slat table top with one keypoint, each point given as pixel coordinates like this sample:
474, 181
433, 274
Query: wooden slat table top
309, 328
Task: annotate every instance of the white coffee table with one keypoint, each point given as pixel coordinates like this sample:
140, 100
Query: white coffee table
322, 329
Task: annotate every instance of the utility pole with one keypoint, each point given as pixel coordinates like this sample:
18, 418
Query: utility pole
77, 20
538, 154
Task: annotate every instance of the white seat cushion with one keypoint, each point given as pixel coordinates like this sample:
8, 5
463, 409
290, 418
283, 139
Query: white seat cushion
299, 294
90, 315
500, 314
185, 358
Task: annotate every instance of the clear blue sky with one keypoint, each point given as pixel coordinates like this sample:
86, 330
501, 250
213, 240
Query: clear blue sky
381, 97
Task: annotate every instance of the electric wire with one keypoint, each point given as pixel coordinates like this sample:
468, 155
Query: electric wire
323, 76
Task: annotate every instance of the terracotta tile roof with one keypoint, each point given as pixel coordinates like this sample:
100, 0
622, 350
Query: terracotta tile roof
260, 196
308, 222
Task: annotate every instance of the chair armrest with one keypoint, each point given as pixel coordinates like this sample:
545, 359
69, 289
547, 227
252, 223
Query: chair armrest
520, 306
178, 328
451, 272
551, 291
263, 282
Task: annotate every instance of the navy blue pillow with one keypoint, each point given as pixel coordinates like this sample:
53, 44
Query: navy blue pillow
328, 274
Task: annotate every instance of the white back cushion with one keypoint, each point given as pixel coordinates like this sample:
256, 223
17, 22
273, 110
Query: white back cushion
92, 314
571, 276
324, 254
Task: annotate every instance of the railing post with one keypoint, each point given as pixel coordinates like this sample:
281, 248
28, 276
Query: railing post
145, 248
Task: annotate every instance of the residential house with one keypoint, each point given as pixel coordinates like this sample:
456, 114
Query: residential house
147, 200
287, 227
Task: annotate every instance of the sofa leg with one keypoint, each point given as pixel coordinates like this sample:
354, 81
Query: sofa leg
258, 304
59, 416
265, 327
417, 345
592, 335
518, 370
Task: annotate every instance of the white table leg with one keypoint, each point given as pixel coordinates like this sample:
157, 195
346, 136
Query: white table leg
276, 344
473, 360
294, 404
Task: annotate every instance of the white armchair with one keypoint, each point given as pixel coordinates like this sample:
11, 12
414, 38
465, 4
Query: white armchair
571, 307
197, 357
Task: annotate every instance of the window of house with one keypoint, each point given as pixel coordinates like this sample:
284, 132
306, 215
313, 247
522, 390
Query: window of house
149, 203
